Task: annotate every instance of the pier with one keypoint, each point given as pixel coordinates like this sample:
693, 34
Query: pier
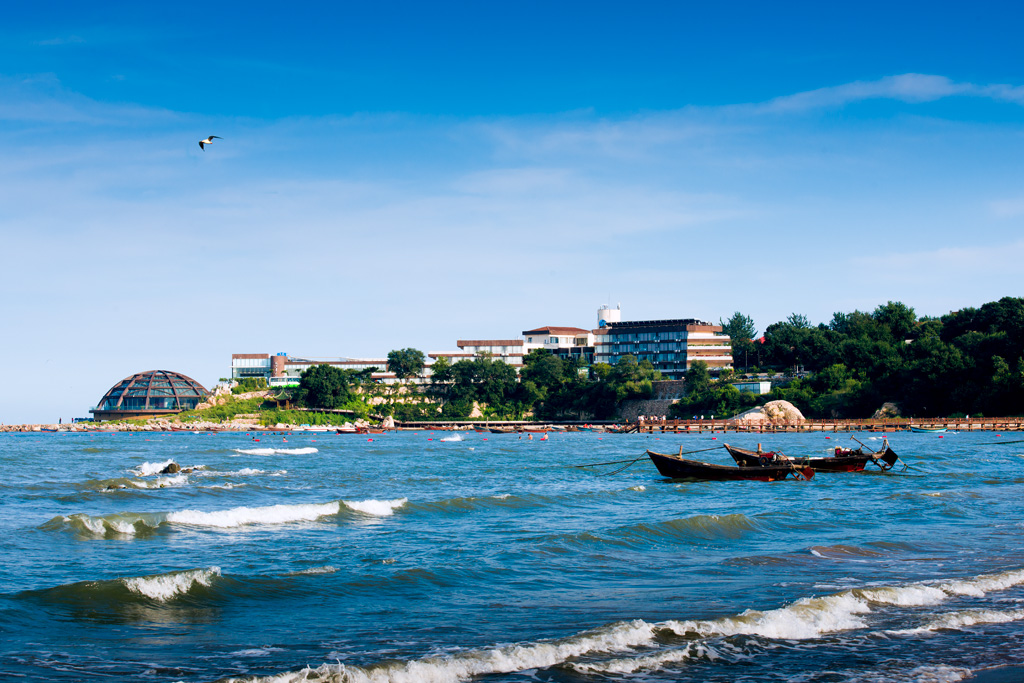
955, 424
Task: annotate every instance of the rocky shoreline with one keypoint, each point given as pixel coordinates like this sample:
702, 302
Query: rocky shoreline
162, 425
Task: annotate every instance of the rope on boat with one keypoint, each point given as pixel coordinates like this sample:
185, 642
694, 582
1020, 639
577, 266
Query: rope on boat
613, 462
631, 463
619, 462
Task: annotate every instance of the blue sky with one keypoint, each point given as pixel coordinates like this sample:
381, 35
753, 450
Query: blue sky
399, 174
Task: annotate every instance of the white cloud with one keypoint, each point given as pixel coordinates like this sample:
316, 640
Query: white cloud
911, 88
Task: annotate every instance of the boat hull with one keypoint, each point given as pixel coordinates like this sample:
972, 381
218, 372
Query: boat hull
675, 467
854, 462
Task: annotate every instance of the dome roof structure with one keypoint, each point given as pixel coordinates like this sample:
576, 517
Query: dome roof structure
156, 392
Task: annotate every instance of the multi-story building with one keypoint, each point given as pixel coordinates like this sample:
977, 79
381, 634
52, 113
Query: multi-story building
670, 345
570, 343
283, 370
506, 350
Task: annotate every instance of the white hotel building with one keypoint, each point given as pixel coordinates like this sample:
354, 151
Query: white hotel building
670, 345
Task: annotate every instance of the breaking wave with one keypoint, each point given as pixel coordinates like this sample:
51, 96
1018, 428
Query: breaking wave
377, 508
132, 523
630, 643
150, 468
157, 587
163, 587
241, 516
276, 451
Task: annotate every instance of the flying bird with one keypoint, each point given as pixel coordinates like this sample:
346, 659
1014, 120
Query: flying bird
208, 141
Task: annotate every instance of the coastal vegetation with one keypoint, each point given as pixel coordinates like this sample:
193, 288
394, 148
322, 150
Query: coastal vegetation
967, 362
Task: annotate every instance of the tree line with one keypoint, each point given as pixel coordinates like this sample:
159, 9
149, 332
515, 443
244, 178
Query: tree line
969, 361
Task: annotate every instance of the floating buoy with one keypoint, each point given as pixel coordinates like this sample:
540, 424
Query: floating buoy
940, 437
369, 439
828, 437
429, 439
714, 438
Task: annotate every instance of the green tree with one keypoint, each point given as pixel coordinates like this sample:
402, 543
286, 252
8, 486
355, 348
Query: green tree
544, 369
798, 320
741, 331
698, 379
896, 317
325, 386
441, 370
406, 362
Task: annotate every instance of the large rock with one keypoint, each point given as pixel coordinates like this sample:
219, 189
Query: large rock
888, 409
773, 412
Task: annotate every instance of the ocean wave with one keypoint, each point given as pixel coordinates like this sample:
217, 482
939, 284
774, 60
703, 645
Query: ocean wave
132, 523
704, 527
156, 587
326, 569
644, 643
147, 469
241, 516
163, 587
480, 662
112, 525
962, 618
646, 662
843, 552
377, 508
126, 483
806, 618
244, 472
276, 451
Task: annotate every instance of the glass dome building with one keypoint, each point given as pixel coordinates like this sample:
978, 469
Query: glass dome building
148, 394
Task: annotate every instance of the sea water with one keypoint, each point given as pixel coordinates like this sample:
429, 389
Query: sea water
407, 557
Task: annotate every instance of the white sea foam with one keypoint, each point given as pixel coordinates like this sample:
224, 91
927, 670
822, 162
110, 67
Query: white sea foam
124, 524
326, 569
465, 665
649, 662
970, 617
163, 587
639, 487
454, 437
273, 514
223, 486
377, 508
806, 618
149, 468
986, 583
276, 451
913, 595
165, 482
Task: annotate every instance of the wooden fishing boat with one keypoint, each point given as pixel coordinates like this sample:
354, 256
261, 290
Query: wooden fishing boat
677, 467
928, 430
844, 460
535, 430
501, 430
